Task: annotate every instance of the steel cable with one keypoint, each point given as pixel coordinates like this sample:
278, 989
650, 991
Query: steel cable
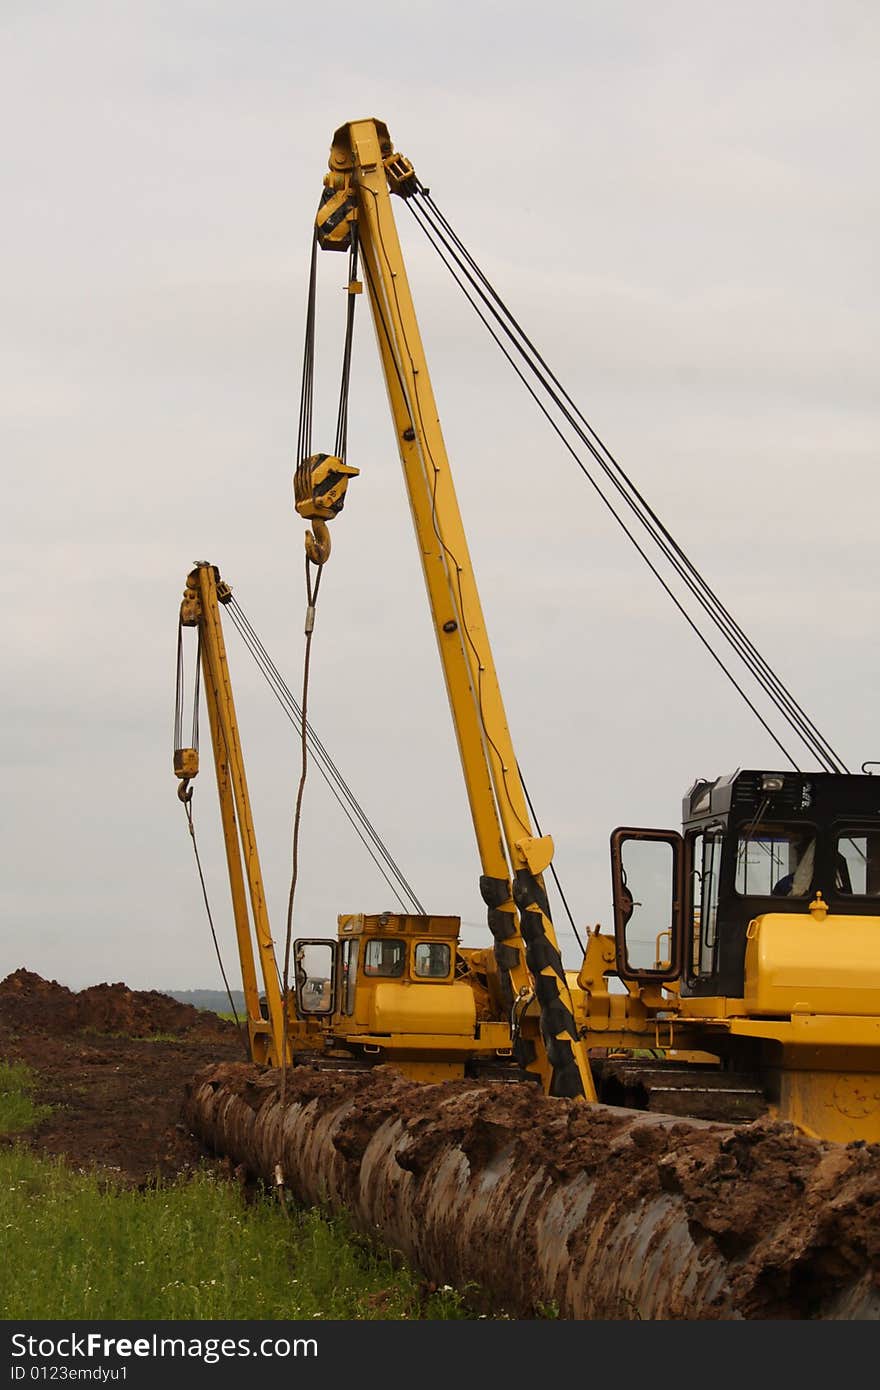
339, 787
555, 426
192, 831
625, 485
440, 234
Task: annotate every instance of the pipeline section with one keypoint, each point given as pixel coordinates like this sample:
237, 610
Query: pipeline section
537, 1204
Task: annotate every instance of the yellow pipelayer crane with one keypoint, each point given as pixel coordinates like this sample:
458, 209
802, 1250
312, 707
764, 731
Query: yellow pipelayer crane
762, 990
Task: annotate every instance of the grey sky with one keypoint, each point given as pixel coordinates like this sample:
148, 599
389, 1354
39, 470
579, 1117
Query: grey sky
678, 200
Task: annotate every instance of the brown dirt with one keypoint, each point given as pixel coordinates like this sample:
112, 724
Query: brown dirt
116, 1096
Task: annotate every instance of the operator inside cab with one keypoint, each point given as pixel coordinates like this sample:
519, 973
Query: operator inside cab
802, 855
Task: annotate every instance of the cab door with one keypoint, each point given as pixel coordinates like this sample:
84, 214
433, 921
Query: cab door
648, 877
315, 976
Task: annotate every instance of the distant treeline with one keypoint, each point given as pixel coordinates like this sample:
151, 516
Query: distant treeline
217, 1000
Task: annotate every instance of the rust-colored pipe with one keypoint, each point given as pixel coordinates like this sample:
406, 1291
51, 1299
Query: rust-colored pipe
537, 1203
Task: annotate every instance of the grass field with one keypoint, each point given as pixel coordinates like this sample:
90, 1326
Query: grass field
17, 1108
75, 1246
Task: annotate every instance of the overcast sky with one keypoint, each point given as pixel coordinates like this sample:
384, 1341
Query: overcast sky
680, 202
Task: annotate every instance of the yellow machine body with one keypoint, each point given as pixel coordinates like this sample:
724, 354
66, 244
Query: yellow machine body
796, 964
399, 991
811, 1008
407, 1002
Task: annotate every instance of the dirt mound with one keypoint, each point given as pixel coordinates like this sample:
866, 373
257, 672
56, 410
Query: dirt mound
28, 1003
115, 1092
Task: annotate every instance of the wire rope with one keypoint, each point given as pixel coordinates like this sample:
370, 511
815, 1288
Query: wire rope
339, 787
464, 269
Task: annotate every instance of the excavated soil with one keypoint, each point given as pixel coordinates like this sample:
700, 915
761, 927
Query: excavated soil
115, 1088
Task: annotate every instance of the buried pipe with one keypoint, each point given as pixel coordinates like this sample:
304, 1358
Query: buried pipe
537, 1203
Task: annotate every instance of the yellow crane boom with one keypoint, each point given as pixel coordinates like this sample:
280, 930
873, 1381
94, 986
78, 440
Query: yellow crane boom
200, 609
364, 171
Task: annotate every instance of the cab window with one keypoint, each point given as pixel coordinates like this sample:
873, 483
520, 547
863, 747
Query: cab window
314, 961
857, 863
385, 958
706, 848
431, 960
775, 861
348, 975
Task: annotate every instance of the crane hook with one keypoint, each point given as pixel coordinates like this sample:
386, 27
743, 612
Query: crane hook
318, 542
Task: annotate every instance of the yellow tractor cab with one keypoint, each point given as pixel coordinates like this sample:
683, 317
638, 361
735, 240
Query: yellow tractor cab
393, 988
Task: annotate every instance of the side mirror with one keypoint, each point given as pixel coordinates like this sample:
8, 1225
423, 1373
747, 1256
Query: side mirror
648, 878
315, 976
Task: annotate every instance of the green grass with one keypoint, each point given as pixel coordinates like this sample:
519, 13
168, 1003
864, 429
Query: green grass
134, 1037
153, 1037
191, 1250
17, 1109
76, 1249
